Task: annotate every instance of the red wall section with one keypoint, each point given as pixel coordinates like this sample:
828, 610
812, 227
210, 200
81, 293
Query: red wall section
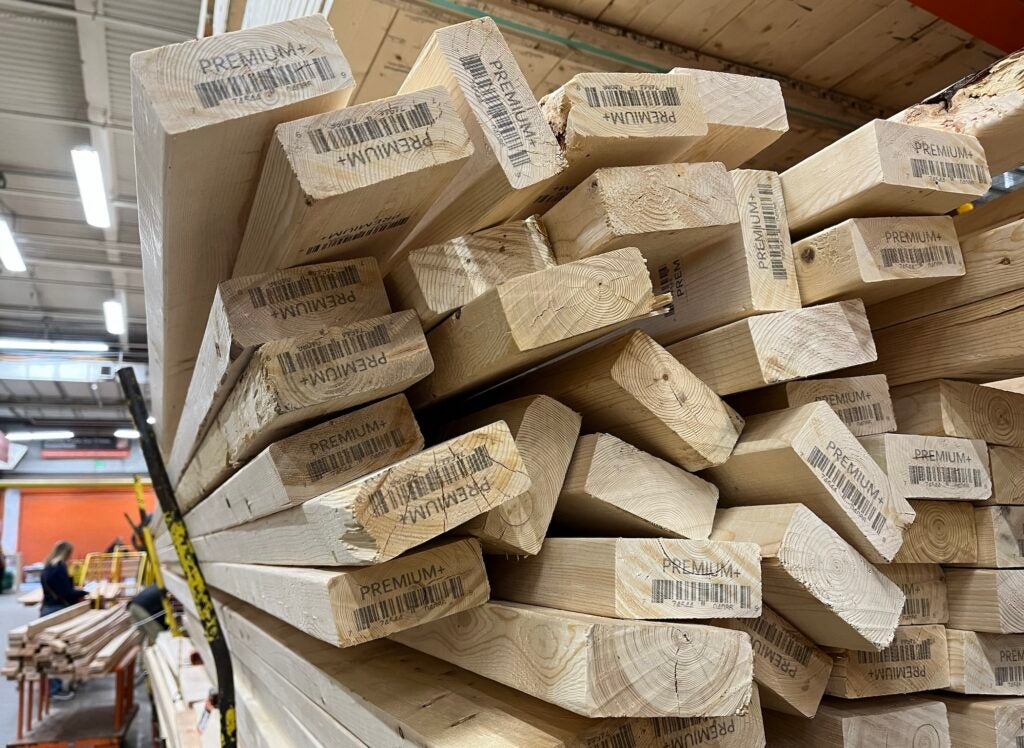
89, 517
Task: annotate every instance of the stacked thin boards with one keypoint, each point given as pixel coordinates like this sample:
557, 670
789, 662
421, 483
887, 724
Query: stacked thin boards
545, 422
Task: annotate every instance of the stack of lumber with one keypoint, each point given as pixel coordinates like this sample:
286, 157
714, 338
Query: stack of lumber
181, 692
542, 422
75, 643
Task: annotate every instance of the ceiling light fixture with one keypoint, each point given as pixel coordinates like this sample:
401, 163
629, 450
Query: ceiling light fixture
113, 315
10, 257
31, 344
90, 186
126, 434
35, 436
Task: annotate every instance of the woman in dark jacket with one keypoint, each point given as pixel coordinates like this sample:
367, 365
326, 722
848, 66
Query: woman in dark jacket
58, 590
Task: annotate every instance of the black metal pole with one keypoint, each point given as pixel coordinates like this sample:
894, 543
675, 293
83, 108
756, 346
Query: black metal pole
186, 555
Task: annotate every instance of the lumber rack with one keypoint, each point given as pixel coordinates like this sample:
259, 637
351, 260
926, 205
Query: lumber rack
212, 630
34, 708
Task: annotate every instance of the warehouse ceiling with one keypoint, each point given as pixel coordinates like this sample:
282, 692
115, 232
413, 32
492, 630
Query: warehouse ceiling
65, 83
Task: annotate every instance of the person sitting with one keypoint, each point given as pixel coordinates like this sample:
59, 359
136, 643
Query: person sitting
59, 592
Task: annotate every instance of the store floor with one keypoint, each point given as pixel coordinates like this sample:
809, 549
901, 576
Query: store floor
92, 694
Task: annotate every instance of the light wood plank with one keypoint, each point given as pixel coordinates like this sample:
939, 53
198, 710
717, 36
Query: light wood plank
932, 467
945, 407
986, 664
771, 348
983, 721
915, 661
1007, 466
385, 513
942, 533
1000, 531
596, 666
893, 720
988, 600
924, 586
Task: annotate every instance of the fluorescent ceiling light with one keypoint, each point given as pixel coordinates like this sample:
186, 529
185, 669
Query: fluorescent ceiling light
91, 187
34, 436
113, 315
151, 420
126, 434
30, 344
10, 257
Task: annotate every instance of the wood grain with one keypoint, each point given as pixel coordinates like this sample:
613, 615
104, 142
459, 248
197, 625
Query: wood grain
986, 664
988, 600
932, 467
948, 408
915, 661
942, 533
924, 587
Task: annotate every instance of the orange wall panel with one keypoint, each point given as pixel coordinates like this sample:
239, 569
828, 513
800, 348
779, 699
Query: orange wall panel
89, 517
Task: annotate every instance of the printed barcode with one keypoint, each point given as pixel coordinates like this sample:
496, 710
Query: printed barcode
860, 413
1020, 546
339, 135
1009, 674
289, 290
433, 479
665, 725
212, 93
916, 607
700, 592
621, 738
359, 232
335, 462
918, 255
781, 640
766, 197
497, 112
948, 171
899, 652
319, 354
408, 602
1020, 741
941, 474
852, 495
604, 97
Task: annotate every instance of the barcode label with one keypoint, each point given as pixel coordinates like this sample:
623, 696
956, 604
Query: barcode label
934, 255
948, 171
1020, 546
501, 120
318, 354
632, 96
409, 602
378, 226
781, 640
340, 135
940, 474
860, 413
442, 473
1020, 741
620, 738
853, 496
773, 237
916, 607
343, 459
899, 652
1009, 674
212, 93
296, 288
663, 590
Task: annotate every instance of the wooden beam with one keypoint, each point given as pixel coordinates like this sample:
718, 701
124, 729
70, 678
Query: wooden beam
989, 215
678, 418
352, 182
790, 671
294, 380
202, 119
437, 280
749, 273
514, 151
349, 606
614, 489
942, 533
915, 661
983, 721
745, 115
545, 433
635, 578
924, 587
986, 600
1007, 465
875, 259
986, 664
667, 211
807, 452
991, 269
932, 467
597, 666
771, 348
884, 169
862, 403
889, 720
828, 590
943, 407
309, 463
1000, 531
988, 105
356, 687
383, 514
527, 320
250, 311
620, 119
